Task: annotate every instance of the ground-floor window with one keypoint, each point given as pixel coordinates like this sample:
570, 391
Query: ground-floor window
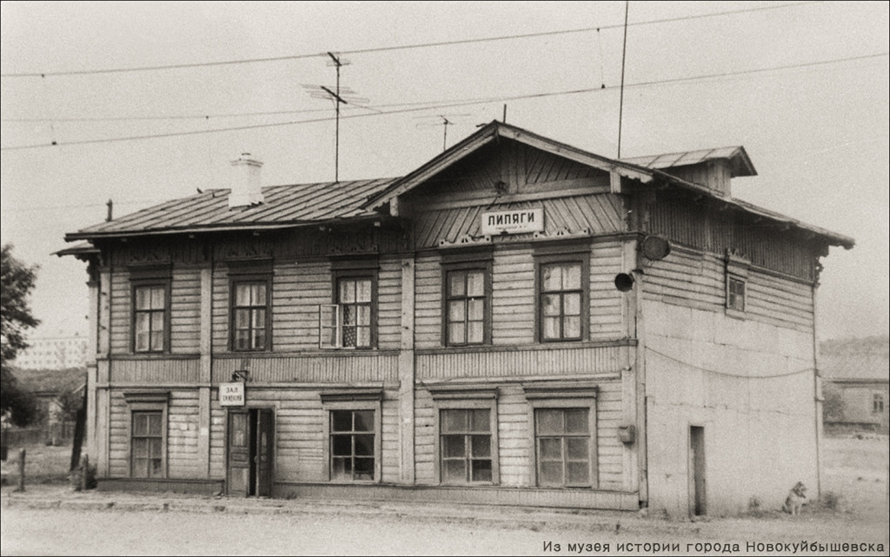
352, 435
563, 440
148, 434
466, 442
352, 444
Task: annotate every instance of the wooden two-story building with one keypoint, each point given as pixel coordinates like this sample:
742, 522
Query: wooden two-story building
517, 321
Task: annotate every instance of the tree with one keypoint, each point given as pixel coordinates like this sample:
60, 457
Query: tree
18, 281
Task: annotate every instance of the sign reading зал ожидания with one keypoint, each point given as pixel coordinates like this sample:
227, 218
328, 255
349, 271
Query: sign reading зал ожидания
513, 222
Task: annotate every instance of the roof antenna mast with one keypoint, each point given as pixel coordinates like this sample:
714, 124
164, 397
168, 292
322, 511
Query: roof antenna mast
337, 101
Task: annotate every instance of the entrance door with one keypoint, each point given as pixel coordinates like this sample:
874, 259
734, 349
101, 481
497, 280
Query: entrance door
697, 486
250, 445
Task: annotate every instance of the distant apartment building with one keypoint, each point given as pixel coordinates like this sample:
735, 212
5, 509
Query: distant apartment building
53, 353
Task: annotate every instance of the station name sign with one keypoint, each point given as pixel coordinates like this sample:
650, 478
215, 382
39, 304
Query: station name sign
231, 394
513, 222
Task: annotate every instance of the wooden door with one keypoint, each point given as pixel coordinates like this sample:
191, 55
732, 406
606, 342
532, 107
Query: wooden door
238, 467
265, 431
698, 487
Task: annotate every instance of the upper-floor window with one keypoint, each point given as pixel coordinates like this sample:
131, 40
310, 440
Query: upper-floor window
351, 321
149, 317
563, 283
465, 300
250, 315
878, 403
735, 293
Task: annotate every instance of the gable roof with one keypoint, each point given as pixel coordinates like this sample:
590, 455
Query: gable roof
739, 161
856, 360
283, 206
330, 202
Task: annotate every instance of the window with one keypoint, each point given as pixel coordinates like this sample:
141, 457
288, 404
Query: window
878, 403
352, 444
736, 284
251, 319
466, 307
351, 320
562, 445
466, 442
465, 445
735, 294
147, 445
562, 424
352, 434
149, 318
147, 433
561, 297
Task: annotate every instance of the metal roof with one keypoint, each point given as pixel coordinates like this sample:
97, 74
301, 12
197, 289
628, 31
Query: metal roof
741, 164
856, 360
281, 206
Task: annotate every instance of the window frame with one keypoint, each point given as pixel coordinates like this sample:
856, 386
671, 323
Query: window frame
562, 396
148, 402
353, 269
571, 253
465, 399
877, 403
352, 401
148, 276
249, 275
463, 263
737, 268
140, 283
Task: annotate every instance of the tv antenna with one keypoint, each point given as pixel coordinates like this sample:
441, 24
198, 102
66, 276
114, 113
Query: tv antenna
444, 122
339, 96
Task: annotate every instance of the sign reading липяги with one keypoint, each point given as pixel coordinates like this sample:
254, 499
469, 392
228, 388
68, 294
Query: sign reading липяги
231, 394
513, 222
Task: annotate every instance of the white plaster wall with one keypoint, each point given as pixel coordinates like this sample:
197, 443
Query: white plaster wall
707, 369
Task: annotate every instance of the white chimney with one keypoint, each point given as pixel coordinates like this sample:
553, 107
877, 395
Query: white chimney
246, 186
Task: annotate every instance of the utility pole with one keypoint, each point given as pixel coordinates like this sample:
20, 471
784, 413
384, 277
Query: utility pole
623, 57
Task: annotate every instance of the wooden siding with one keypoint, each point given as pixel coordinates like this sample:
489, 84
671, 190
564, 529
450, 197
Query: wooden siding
519, 363
698, 280
702, 226
120, 312
299, 434
513, 296
600, 213
514, 437
319, 367
182, 435
297, 291
155, 371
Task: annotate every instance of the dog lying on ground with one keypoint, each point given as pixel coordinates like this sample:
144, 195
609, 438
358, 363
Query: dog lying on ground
797, 497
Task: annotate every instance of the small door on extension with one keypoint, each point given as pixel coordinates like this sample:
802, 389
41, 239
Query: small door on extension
250, 446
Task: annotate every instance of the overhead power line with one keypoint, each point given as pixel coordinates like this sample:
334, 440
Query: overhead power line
396, 47
452, 104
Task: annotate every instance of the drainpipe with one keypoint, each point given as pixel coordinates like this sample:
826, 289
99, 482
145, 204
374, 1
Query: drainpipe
817, 394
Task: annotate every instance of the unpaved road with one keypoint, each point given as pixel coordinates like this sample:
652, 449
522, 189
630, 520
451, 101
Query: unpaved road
69, 532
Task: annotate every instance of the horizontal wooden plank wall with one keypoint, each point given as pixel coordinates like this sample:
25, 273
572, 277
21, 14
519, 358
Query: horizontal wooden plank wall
182, 435
318, 367
698, 280
599, 213
185, 311
156, 371
523, 362
297, 291
513, 296
514, 436
299, 428
702, 226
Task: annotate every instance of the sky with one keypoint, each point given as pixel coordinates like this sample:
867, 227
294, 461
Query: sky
802, 86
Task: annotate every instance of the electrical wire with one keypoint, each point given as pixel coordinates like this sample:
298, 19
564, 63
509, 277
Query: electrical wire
395, 47
456, 103
742, 375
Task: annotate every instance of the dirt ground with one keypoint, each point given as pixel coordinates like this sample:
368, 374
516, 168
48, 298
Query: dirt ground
856, 473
